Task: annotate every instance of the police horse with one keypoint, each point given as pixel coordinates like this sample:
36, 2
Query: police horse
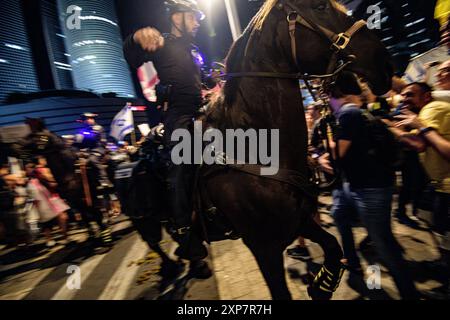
287, 40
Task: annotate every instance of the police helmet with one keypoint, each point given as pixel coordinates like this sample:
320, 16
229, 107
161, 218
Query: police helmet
174, 6
88, 115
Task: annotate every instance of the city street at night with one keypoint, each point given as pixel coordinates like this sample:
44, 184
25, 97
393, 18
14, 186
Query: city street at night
224, 150
130, 270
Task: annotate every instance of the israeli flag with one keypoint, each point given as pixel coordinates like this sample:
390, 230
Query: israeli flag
122, 123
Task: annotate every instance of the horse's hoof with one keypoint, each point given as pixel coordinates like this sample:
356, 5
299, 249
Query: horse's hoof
200, 270
325, 283
318, 294
171, 270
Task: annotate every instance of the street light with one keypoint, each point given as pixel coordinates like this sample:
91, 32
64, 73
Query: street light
233, 17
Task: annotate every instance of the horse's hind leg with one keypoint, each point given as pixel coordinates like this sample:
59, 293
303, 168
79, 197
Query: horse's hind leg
328, 278
271, 263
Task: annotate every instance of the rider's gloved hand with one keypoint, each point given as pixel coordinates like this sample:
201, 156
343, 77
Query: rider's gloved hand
149, 39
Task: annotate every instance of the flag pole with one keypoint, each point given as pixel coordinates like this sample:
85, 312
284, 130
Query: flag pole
133, 138
133, 133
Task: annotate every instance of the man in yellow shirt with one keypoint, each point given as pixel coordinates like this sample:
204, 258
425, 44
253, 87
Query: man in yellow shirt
431, 137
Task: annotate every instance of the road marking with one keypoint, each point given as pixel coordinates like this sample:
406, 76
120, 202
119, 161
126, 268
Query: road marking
30, 284
86, 268
122, 280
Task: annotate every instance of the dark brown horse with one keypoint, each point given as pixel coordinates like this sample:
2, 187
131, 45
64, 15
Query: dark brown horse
262, 92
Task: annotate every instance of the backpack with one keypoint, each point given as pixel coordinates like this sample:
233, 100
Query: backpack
383, 145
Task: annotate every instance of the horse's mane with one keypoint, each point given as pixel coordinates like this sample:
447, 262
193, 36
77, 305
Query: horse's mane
265, 9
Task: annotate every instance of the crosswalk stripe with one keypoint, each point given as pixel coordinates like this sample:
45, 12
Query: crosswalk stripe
120, 283
29, 280
86, 268
102, 274
5, 269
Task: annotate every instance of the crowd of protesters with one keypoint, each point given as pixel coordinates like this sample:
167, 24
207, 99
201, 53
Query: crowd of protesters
379, 145
30, 205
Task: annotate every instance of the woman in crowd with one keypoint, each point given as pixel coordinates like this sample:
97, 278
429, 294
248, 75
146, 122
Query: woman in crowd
50, 206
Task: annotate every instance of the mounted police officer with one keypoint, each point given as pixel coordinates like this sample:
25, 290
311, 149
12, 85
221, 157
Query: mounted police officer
178, 63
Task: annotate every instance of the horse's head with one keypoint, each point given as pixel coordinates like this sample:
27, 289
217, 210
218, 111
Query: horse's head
319, 23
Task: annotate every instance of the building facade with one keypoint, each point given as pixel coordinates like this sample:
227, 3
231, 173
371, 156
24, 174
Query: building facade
17, 71
94, 43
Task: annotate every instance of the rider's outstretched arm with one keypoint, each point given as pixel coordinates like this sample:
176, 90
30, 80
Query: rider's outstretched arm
139, 47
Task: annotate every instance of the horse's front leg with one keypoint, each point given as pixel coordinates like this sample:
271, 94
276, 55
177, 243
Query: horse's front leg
327, 280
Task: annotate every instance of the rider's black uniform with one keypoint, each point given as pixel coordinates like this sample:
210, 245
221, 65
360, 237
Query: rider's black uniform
177, 69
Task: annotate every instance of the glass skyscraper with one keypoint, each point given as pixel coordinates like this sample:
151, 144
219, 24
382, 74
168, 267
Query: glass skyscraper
17, 72
54, 37
95, 49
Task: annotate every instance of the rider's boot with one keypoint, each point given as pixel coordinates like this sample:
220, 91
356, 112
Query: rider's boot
325, 283
191, 248
199, 269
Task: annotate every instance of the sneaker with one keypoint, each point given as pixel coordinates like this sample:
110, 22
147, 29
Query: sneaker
300, 253
407, 221
50, 243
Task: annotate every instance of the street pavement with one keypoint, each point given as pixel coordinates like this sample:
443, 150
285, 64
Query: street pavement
129, 271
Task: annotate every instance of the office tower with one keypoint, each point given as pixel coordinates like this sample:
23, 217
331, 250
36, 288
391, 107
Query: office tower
95, 46
17, 72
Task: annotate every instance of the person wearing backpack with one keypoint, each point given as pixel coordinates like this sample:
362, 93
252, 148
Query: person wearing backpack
367, 180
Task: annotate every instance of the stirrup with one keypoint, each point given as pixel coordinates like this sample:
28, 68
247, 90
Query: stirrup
325, 283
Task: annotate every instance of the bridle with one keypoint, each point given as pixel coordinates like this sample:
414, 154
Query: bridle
339, 43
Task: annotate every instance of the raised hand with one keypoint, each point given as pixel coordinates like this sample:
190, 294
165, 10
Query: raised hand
149, 38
